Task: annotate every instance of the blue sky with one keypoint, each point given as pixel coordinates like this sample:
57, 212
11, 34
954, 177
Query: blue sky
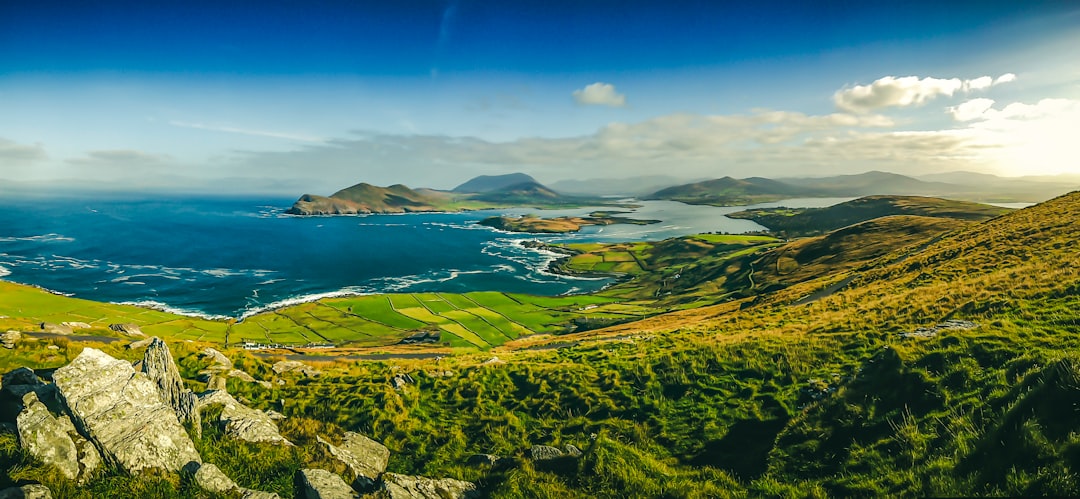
312, 96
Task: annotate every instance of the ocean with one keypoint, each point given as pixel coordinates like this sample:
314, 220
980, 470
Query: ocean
236, 257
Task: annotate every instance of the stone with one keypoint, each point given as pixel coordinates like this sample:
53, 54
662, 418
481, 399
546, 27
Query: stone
292, 366
49, 327
45, 438
364, 457
53, 347
493, 360
544, 452
210, 478
242, 422
10, 338
216, 357
135, 345
480, 460
123, 414
30, 491
76, 325
128, 329
322, 484
397, 486
572, 450
400, 380
158, 365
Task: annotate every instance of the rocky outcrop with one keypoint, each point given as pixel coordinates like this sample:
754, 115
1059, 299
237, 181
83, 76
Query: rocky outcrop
143, 343
242, 422
364, 457
158, 365
221, 369
322, 484
399, 381
10, 338
128, 329
76, 325
122, 412
216, 357
30, 491
292, 366
397, 486
45, 438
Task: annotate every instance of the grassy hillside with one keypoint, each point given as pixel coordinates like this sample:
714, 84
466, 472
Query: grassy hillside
810, 221
770, 396
487, 183
730, 191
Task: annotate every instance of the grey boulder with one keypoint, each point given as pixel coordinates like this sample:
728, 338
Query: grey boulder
242, 422
322, 484
122, 412
397, 486
31, 491
364, 457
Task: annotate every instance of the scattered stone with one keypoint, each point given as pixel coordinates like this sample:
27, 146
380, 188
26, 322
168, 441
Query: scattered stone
128, 329
364, 457
544, 452
949, 325
493, 360
123, 414
31, 491
45, 438
440, 374
10, 338
53, 347
289, 366
135, 345
479, 460
397, 486
572, 450
242, 422
77, 325
276, 416
400, 380
322, 484
158, 365
49, 327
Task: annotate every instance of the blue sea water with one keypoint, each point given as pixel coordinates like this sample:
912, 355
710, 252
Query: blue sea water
235, 257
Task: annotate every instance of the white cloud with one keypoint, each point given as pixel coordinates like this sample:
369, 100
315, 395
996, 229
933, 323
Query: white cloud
599, 94
248, 131
971, 110
892, 91
14, 152
1025, 138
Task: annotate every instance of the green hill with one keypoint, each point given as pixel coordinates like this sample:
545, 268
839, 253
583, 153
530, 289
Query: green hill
730, 191
809, 221
367, 198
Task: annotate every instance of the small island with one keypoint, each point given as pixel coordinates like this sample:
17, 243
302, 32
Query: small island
559, 225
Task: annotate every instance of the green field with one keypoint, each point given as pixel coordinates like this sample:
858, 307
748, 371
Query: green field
477, 320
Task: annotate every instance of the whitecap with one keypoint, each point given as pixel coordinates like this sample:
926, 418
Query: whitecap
48, 238
296, 300
4, 272
163, 307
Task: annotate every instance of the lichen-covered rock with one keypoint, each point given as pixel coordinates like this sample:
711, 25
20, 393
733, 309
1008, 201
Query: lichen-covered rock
572, 450
158, 365
242, 422
322, 484
122, 412
544, 452
30, 491
45, 438
143, 343
397, 486
364, 457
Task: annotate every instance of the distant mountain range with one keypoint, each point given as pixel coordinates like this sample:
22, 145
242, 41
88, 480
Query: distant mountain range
519, 189
730, 191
